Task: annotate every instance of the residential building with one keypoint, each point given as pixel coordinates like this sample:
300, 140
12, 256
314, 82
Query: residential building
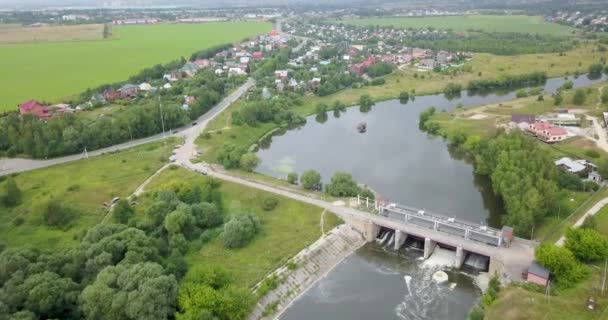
128, 91
36, 109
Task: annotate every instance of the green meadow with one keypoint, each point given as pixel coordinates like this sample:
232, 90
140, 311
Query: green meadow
50, 71
488, 23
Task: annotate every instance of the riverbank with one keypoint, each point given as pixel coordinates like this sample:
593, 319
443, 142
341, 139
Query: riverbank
304, 270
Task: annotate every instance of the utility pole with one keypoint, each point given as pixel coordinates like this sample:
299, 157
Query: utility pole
162, 120
604, 278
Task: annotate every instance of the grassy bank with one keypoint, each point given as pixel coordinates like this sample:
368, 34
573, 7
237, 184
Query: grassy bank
286, 230
488, 23
86, 184
65, 68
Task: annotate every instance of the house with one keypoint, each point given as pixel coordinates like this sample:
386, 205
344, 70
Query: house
570, 165
173, 76
293, 85
97, 99
190, 69
244, 60
537, 127
281, 75
314, 83
201, 63
258, 55
279, 85
537, 274
553, 134
128, 91
111, 95
236, 71
360, 68
36, 109
145, 87
167, 86
519, 118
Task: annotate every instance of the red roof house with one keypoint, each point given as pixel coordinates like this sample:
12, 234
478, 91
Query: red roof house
258, 55
35, 108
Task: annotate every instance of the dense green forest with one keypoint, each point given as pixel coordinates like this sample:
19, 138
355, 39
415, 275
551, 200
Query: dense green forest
132, 269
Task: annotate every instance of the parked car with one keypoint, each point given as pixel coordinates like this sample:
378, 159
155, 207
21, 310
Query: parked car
115, 200
172, 158
194, 123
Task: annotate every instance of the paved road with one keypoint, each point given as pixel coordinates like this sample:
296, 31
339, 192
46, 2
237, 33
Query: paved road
591, 212
8, 166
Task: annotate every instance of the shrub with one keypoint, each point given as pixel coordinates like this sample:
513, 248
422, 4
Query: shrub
562, 264
589, 223
342, 185
56, 213
123, 211
18, 221
269, 203
586, 244
240, 230
11, 195
579, 97
292, 178
592, 153
249, 161
311, 180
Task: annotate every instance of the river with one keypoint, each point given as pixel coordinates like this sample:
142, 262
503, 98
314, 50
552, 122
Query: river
407, 166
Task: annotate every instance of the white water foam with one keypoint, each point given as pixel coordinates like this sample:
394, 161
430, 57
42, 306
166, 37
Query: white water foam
440, 258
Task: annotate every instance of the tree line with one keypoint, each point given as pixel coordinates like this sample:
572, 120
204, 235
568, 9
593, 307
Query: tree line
141, 117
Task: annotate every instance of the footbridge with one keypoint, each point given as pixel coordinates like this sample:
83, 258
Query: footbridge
508, 256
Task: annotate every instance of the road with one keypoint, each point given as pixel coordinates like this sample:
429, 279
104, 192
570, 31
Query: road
591, 212
303, 40
9, 166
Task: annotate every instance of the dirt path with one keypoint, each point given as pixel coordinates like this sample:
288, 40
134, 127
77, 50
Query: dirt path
591, 212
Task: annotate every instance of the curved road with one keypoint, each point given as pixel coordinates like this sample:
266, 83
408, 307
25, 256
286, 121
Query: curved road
9, 166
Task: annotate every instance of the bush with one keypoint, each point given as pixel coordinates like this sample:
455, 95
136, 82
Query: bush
579, 97
589, 223
123, 211
230, 155
586, 244
592, 153
378, 82
591, 186
18, 221
570, 181
562, 264
240, 230
11, 196
476, 313
249, 161
342, 185
292, 178
56, 213
311, 180
269, 203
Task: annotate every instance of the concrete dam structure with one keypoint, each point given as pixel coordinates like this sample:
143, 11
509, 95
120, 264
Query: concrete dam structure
507, 256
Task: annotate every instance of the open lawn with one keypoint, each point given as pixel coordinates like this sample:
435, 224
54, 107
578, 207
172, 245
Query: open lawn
489, 23
53, 70
286, 230
85, 183
19, 34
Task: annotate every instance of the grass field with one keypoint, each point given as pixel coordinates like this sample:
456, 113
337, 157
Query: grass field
18, 34
286, 230
489, 23
53, 70
85, 183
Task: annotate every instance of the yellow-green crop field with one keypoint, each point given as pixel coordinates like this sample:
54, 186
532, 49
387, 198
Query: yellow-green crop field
50, 71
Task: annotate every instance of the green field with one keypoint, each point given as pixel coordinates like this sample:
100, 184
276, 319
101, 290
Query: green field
489, 23
53, 70
84, 183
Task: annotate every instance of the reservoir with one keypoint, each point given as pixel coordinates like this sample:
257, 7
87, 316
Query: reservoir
405, 165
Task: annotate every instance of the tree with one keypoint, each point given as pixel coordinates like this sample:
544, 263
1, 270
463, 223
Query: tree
249, 161
558, 99
561, 263
123, 211
579, 97
586, 244
58, 213
404, 97
292, 178
596, 69
12, 194
138, 291
342, 185
240, 230
49, 295
604, 96
311, 180
229, 155
568, 85
365, 101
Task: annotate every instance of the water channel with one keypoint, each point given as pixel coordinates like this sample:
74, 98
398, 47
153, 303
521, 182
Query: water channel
407, 166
